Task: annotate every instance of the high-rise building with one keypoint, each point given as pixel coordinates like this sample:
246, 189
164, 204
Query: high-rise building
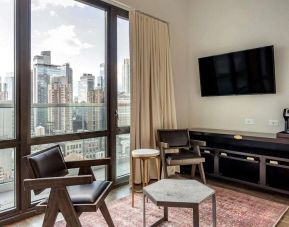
10, 81
3, 91
96, 96
60, 92
126, 76
42, 73
100, 83
85, 86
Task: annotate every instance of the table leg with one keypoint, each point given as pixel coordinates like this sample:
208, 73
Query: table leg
143, 172
165, 213
144, 211
132, 181
214, 210
196, 216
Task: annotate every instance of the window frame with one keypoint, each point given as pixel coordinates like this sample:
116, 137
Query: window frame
23, 139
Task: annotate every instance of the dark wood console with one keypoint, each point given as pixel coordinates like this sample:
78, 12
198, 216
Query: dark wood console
256, 159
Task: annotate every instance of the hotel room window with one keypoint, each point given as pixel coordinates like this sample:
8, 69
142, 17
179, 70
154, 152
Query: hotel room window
123, 97
69, 82
68, 68
7, 107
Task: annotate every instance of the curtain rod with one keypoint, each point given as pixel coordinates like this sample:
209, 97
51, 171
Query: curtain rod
129, 8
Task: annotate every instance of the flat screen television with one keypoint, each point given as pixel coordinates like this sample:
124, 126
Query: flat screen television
238, 73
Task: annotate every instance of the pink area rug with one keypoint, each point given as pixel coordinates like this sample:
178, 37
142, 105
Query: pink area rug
234, 209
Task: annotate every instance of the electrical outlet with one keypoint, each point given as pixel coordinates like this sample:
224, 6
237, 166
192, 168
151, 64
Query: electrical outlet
249, 121
273, 122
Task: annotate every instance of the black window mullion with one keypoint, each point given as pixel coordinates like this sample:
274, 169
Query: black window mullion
23, 95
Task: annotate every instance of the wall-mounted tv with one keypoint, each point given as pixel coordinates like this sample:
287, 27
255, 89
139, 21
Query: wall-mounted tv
238, 73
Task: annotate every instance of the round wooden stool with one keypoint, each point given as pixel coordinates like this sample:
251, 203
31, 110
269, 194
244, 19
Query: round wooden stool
144, 155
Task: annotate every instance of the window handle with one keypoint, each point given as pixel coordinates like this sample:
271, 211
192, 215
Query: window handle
116, 115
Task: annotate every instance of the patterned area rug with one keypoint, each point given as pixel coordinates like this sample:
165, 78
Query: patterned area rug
234, 209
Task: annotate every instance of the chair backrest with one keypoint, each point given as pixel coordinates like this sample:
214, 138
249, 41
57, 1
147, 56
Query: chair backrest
174, 137
48, 163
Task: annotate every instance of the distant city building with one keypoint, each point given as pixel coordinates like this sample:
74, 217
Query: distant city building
85, 86
59, 92
96, 96
39, 131
123, 101
3, 91
10, 82
100, 79
126, 76
42, 73
7, 165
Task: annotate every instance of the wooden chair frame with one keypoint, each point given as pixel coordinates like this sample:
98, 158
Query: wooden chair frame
59, 199
195, 144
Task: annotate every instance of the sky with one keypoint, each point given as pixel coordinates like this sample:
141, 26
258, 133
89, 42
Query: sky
72, 31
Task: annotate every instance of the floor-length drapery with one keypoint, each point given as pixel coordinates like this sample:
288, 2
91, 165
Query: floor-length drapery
153, 102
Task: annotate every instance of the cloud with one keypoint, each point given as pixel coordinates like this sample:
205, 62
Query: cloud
44, 4
63, 42
52, 13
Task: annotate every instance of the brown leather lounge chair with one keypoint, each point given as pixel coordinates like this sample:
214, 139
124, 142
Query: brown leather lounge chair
70, 195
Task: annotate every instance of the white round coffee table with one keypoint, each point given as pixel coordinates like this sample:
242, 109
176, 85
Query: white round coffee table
143, 155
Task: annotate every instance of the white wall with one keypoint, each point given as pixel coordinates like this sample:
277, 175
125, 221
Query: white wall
230, 25
175, 12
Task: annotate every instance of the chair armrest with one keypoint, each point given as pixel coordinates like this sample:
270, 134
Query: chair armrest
87, 163
164, 145
56, 182
198, 143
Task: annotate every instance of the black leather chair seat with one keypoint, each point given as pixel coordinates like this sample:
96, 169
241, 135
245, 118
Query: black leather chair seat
87, 193
184, 157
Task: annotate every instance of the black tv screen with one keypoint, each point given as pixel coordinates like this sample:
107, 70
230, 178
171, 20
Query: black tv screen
238, 73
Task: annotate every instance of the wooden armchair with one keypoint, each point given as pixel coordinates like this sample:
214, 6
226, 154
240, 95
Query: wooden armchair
189, 151
70, 195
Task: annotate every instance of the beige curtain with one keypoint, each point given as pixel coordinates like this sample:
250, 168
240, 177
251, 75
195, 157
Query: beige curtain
153, 102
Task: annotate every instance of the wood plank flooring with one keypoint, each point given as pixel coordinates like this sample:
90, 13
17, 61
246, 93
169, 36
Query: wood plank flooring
125, 191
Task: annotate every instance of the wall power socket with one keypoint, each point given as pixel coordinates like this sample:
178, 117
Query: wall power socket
273, 122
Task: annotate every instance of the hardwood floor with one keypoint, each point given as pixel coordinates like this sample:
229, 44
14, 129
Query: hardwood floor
125, 191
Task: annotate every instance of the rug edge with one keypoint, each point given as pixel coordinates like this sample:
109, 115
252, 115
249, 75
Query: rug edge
278, 220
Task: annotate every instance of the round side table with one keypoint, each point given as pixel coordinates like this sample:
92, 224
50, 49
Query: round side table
144, 155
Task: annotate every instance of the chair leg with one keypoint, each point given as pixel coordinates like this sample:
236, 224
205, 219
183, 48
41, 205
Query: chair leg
106, 215
132, 180
51, 211
165, 169
67, 209
193, 171
202, 172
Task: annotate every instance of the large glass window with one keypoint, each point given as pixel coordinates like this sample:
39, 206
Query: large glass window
7, 78
7, 106
68, 50
62, 82
123, 97
123, 72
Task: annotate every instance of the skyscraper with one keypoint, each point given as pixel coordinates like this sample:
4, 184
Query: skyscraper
100, 79
43, 71
126, 76
10, 81
85, 86
3, 91
60, 92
